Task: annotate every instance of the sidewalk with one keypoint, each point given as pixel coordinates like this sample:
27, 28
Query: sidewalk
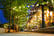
47, 30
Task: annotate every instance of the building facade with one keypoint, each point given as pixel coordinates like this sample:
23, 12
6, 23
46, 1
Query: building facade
37, 17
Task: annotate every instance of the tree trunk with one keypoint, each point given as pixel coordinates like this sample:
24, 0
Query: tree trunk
43, 22
14, 24
10, 17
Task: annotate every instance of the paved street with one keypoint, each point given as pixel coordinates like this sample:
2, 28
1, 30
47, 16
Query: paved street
25, 34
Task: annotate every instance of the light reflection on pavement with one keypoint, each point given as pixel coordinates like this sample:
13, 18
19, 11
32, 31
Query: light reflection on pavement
25, 34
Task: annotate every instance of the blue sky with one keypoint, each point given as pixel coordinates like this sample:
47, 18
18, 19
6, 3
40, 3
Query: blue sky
2, 18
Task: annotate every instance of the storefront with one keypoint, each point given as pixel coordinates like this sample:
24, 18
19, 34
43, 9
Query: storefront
36, 18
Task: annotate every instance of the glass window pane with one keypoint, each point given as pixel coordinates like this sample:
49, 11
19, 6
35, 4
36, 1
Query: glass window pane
49, 17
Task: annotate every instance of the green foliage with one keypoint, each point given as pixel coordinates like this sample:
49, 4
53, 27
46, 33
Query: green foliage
21, 12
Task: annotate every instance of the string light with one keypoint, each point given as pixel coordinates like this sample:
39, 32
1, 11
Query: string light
19, 7
32, 5
14, 8
51, 13
37, 5
47, 15
28, 6
47, 2
47, 11
52, 1
16, 17
23, 6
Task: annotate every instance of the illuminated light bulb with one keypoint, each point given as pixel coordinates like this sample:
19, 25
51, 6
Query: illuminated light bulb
44, 15
19, 7
31, 21
33, 5
16, 17
52, 1
40, 18
50, 13
28, 6
40, 15
47, 11
14, 8
44, 11
47, 2
47, 15
35, 16
37, 5
23, 6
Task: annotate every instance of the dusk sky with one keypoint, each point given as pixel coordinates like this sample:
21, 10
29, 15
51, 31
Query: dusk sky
2, 18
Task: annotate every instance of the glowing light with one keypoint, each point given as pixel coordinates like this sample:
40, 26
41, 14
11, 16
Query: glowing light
19, 7
35, 16
37, 5
33, 5
14, 8
28, 6
44, 11
23, 6
40, 15
39, 10
42, 3
47, 2
40, 18
31, 21
16, 17
45, 18
52, 1
47, 11
47, 15
51, 13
